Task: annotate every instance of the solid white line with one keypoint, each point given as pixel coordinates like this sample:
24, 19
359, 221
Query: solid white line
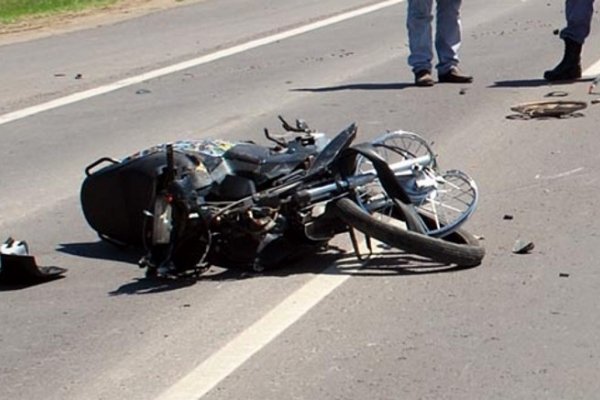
222, 363
75, 97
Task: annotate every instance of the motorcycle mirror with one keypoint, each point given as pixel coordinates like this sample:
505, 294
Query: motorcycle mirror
302, 126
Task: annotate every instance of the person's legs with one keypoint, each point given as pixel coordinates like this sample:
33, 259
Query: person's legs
579, 18
419, 28
447, 35
447, 42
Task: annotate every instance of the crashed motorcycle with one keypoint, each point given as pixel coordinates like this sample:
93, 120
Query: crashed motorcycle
192, 204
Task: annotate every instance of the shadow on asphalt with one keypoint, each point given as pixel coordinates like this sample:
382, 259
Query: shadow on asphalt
356, 86
309, 265
387, 262
533, 83
5, 287
152, 286
523, 117
102, 250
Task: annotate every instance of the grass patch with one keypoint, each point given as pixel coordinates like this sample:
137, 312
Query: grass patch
14, 10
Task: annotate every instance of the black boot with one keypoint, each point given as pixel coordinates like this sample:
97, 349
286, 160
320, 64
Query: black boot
569, 69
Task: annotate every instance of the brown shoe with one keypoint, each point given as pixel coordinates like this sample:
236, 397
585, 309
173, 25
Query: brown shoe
424, 78
455, 76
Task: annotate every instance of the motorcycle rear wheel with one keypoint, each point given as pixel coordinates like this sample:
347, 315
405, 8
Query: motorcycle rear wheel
460, 247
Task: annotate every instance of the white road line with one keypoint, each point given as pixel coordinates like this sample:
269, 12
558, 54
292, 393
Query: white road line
75, 97
222, 363
561, 175
592, 71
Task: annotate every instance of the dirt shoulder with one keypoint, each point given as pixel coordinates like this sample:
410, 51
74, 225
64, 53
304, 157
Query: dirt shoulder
38, 27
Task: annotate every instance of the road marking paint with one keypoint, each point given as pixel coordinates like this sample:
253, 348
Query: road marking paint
593, 70
217, 367
75, 97
561, 175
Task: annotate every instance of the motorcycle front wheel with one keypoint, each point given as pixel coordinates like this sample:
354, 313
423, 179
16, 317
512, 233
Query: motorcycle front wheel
460, 247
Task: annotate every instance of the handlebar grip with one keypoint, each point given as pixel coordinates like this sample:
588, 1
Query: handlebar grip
303, 196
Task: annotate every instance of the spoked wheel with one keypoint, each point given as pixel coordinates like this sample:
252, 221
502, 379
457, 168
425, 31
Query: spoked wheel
397, 148
449, 204
444, 201
554, 108
459, 247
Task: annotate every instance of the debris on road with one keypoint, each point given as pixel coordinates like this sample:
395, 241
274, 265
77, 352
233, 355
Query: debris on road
143, 91
557, 93
548, 109
78, 76
563, 275
18, 267
507, 217
593, 85
522, 247
11, 246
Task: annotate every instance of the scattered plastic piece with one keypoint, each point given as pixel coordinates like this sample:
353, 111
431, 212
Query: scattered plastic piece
593, 85
507, 217
522, 247
11, 246
552, 108
18, 267
557, 93
563, 275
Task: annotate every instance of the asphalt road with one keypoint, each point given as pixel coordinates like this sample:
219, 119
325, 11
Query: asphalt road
516, 327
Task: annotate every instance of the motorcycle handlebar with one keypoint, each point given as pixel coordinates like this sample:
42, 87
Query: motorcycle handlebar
334, 188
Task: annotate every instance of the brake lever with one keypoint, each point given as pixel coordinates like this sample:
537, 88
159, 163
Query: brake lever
285, 124
275, 140
301, 125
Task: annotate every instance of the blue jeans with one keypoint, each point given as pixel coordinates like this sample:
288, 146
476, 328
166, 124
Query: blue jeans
579, 20
447, 34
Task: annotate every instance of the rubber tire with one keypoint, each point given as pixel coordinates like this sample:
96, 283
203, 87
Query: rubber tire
460, 247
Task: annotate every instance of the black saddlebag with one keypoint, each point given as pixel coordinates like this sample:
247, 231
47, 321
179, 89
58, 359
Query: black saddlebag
113, 198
